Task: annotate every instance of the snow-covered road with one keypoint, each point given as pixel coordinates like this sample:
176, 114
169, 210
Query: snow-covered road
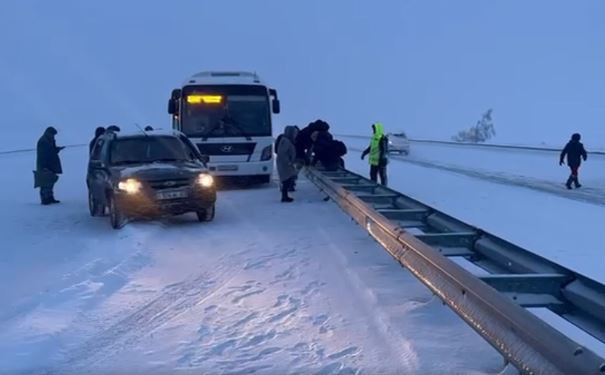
266, 287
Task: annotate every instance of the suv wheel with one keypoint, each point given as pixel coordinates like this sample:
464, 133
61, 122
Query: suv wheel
94, 207
116, 217
206, 215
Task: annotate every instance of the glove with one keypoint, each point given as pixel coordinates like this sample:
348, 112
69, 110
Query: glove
362, 156
60, 148
560, 163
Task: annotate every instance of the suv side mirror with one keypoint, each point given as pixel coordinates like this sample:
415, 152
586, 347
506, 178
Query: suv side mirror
205, 159
97, 164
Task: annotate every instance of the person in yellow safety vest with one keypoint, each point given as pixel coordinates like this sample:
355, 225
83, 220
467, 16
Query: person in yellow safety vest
378, 151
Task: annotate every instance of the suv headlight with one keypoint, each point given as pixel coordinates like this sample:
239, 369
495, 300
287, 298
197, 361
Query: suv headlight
267, 153
205, 180
130, 186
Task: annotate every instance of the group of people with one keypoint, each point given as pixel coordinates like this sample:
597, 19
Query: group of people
313, 145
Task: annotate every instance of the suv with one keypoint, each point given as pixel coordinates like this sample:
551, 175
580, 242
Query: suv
148, 174
399, 143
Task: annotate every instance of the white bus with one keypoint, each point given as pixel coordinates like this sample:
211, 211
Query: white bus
228, 116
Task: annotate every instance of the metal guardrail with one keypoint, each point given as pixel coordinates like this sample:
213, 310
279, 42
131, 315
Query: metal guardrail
478, 145
492, 305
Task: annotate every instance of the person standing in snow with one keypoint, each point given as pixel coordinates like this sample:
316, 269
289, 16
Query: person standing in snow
48, 166
98, 132
575, 152
297, 163
286, 155
378, 150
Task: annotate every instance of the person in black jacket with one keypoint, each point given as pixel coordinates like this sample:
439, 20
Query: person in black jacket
98, 132
304, 142
575, 152
48, 165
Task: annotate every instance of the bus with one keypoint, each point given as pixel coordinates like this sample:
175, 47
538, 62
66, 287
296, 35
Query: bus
227, 115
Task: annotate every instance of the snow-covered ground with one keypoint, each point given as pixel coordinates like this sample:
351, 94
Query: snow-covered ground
266, 287
536, 170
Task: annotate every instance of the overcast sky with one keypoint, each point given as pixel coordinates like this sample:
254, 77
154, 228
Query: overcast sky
430, 68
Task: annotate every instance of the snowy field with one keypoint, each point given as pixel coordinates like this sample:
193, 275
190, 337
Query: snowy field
536, 170
265, 288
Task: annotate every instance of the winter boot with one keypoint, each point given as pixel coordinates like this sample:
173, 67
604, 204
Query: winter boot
576, 182
52, 198
284, 196
569, 181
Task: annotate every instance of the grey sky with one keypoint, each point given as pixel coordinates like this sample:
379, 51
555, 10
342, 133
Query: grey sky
428, 67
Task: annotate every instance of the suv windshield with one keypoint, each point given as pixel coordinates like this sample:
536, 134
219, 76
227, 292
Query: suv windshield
242, 111
148, 149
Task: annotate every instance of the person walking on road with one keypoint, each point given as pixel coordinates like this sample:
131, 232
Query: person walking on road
98, 132
286, 156
48, 166
378, 150
575, 152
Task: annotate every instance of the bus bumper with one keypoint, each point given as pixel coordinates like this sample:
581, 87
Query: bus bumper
253, 168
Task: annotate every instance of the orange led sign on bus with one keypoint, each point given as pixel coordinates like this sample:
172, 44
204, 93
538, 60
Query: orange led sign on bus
206, 99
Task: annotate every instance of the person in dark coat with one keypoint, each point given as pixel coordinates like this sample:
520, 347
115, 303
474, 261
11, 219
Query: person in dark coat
575, 152
98, 132
327, 151
297, 163
378, 150
48, 166
286, 156
304, 141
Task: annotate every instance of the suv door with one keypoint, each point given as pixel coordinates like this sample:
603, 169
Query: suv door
98, 171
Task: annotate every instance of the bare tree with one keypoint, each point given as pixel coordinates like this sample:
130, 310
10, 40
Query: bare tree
481, 132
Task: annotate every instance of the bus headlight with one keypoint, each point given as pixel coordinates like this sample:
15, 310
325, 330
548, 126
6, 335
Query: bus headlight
130, 186
267, 153
205, 180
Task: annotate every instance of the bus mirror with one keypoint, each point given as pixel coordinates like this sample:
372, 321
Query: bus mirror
172, 107
276, 106
176, 94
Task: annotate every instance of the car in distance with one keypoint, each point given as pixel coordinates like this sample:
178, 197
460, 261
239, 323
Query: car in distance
148, 174
399, 143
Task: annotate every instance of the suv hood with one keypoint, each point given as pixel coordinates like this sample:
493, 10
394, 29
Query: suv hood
161, 171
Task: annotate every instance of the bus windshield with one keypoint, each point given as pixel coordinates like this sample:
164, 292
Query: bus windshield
230, 111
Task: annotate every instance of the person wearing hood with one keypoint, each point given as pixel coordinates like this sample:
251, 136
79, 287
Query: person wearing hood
98, 132
378, 150
575, 153
48, 166
286, 156
304, 142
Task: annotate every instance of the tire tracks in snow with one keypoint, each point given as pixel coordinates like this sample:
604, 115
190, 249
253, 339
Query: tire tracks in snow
174, 300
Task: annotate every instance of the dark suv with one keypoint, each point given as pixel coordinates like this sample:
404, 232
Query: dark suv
148, 174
